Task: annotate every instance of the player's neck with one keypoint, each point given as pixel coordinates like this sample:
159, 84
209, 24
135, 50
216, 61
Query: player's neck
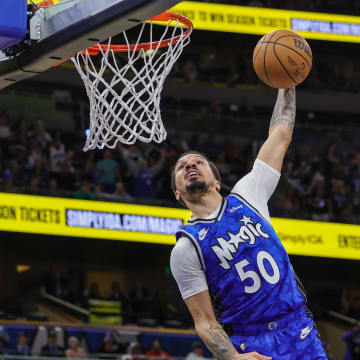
204, 206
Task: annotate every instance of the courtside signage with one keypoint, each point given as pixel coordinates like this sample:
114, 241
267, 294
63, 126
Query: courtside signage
260, 21
92, 219
152, 224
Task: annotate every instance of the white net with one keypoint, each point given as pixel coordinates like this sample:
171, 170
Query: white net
125, 90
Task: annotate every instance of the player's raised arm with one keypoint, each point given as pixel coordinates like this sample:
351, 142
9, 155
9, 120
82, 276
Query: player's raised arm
212, 333
280, 131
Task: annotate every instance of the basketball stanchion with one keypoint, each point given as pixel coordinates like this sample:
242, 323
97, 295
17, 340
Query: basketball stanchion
125, 98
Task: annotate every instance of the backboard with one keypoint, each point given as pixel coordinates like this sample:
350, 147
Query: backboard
70, 26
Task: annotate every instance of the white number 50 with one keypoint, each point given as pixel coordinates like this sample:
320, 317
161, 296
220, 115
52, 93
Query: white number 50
271, 279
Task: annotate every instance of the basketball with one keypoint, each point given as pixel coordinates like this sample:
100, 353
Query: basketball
282, 59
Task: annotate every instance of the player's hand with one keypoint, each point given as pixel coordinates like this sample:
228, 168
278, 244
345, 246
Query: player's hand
252, 356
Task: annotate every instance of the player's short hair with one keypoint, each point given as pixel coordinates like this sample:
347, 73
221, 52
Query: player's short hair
213, 167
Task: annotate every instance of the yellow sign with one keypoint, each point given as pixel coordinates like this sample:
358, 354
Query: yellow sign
105, 312
260, 21
90, 219
315, 238
152, 224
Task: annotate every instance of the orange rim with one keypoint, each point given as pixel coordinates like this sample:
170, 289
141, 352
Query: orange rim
165, 16
43, 4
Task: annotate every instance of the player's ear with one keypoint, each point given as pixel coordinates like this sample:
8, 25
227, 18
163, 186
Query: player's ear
217, 185
177, 195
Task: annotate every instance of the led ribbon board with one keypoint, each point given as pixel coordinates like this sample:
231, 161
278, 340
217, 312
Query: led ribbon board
317, 238
152, 224
90, 219
260, 21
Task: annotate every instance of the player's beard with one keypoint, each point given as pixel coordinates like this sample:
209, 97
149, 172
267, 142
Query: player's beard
197, 187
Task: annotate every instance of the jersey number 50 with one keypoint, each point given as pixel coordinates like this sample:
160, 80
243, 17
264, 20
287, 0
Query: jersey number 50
271, 279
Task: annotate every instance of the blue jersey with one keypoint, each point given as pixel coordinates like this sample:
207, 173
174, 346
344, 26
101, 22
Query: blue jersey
248, 271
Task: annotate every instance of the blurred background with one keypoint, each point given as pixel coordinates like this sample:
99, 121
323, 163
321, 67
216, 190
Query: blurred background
88, 296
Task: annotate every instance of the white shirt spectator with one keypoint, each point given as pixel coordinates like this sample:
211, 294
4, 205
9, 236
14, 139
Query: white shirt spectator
5, 132
57, 156
193, 356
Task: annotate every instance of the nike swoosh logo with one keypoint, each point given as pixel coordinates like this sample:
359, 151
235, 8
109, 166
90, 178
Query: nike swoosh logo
203, 234
305, 332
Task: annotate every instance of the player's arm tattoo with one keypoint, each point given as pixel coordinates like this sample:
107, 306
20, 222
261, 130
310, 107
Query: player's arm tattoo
219, 343
285, 109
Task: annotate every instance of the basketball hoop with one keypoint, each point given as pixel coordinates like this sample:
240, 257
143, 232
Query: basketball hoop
125, 98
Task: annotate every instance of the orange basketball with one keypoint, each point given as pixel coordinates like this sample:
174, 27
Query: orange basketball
282, 59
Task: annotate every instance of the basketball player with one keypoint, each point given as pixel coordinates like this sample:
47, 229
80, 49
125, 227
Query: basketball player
231, 268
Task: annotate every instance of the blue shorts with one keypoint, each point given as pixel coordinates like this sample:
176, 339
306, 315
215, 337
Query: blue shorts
292, 337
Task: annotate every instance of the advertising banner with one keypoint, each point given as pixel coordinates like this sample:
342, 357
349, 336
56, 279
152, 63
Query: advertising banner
260, 21
157, 225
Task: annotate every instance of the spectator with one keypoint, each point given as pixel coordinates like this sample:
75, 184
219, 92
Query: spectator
40, 171
190, 71
232, 151
318, 202
9, 181
23, 347
34, 185
66, 177
21, 130
339, 199
94, 292
300, 178
156, 352
74, 350
131, 157
52, 349
4, 339
352, 339
18, 166
212, 148
146, 186
134, 352
116, 293
53, 187
226, 176
5, 133
40, 135
91, 172
121, 194
109, 172
111, 345
197, 353
35, 155
85, 192
57, 155
61, 284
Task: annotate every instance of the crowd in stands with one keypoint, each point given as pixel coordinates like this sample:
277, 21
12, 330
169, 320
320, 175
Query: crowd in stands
221, 64
319, 182
332, 6
139, 304
113, 346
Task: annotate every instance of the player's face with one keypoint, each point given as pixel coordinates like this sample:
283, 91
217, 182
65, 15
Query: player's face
193, 177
